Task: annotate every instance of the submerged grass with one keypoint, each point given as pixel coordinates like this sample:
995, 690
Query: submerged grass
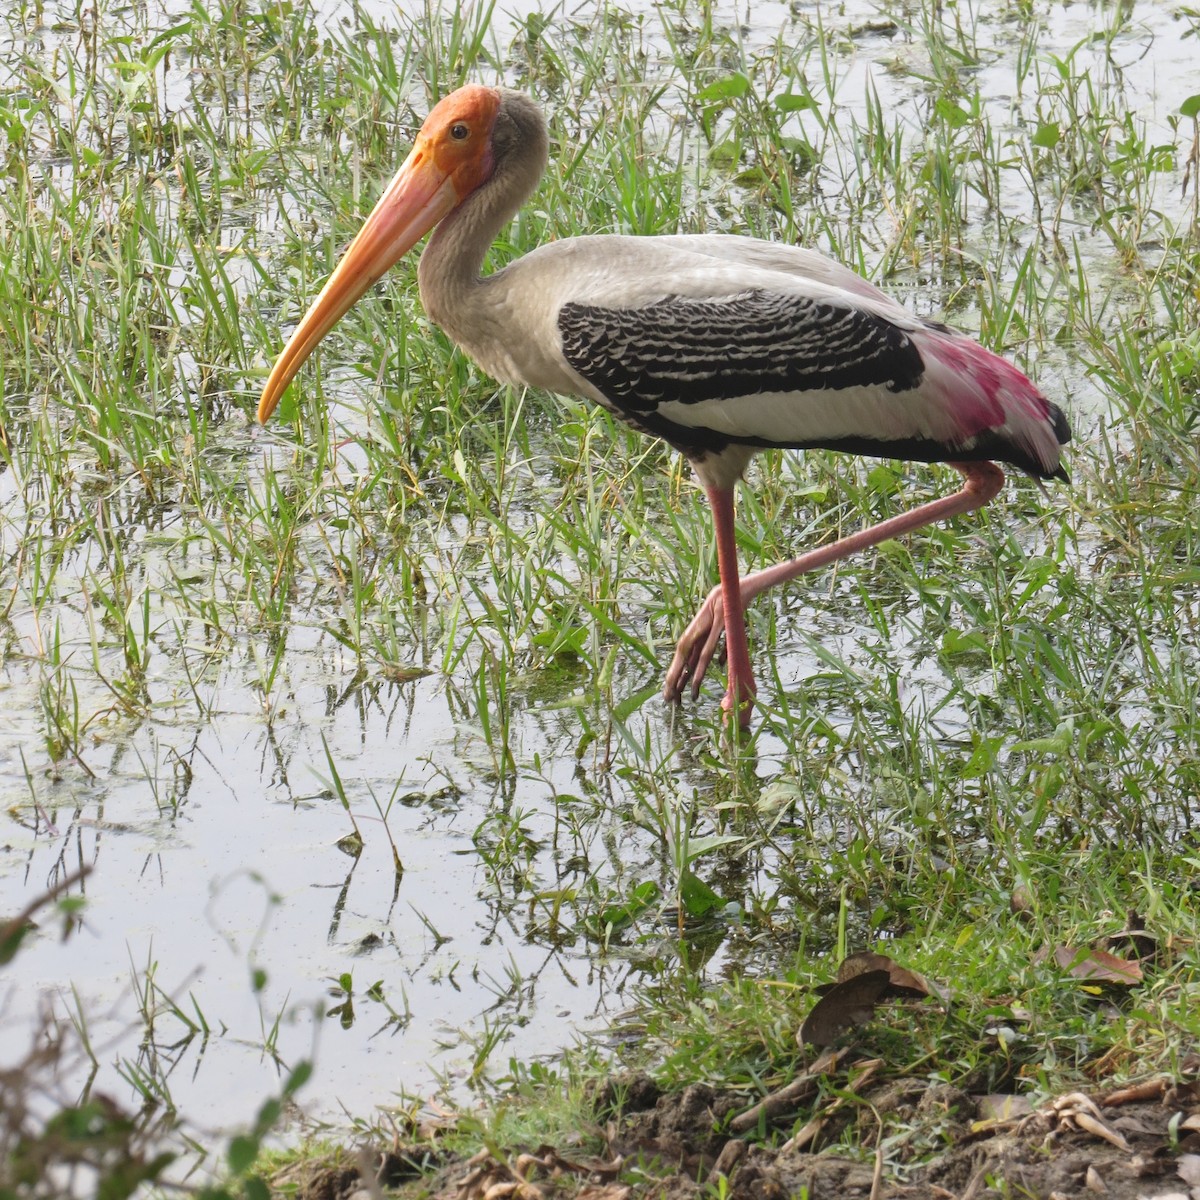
1006, 705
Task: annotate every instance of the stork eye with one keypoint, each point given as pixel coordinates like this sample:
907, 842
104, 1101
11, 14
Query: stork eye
459, 131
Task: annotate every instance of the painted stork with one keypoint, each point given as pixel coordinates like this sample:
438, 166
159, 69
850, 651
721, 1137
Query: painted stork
719, 345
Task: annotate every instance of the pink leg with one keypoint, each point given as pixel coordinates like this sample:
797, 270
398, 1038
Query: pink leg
699, 641
740, 689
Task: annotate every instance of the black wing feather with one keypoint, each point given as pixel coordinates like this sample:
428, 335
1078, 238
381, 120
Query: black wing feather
680, 349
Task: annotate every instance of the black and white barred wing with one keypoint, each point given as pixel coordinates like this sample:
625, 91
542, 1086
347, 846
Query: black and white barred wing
758, 367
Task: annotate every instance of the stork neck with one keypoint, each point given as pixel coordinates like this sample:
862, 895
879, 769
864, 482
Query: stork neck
449, 275
449, 271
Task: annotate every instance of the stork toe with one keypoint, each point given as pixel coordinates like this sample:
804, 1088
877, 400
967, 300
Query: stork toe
696, 649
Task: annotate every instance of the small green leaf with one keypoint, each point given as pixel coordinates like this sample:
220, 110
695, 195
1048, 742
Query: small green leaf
1047, 135
953, 114
10, 942
1061, 742
732, 87
170, 34
642, 896
300, 1075
624, 709
714, 841
983, 759
882, 478
268, 1114
789, 102
958, 641
567, 642
242, 1153
799, 150
1191, 106
697, 897
255, 1188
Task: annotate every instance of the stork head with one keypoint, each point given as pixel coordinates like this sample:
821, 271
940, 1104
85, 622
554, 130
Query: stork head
452, 156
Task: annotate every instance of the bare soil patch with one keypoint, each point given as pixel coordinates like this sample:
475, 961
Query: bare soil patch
915, 1140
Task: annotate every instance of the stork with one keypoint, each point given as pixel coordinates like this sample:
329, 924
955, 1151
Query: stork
720, 345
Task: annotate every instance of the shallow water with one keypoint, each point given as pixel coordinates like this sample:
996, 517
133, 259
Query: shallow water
211, 827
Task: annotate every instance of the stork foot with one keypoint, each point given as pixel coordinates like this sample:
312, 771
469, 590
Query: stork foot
696, 649
698, 646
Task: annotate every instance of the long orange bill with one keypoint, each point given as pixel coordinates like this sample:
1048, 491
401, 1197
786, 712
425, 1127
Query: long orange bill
417, 199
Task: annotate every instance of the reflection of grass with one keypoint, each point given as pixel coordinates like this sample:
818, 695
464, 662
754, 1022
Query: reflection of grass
1010, 702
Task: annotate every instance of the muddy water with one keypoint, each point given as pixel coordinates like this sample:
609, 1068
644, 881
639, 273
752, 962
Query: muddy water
213, 840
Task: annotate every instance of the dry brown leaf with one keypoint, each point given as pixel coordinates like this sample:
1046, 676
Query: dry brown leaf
489, 1179
1188, 1169
1097, 966
848, 1003
861, 962
902, 981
